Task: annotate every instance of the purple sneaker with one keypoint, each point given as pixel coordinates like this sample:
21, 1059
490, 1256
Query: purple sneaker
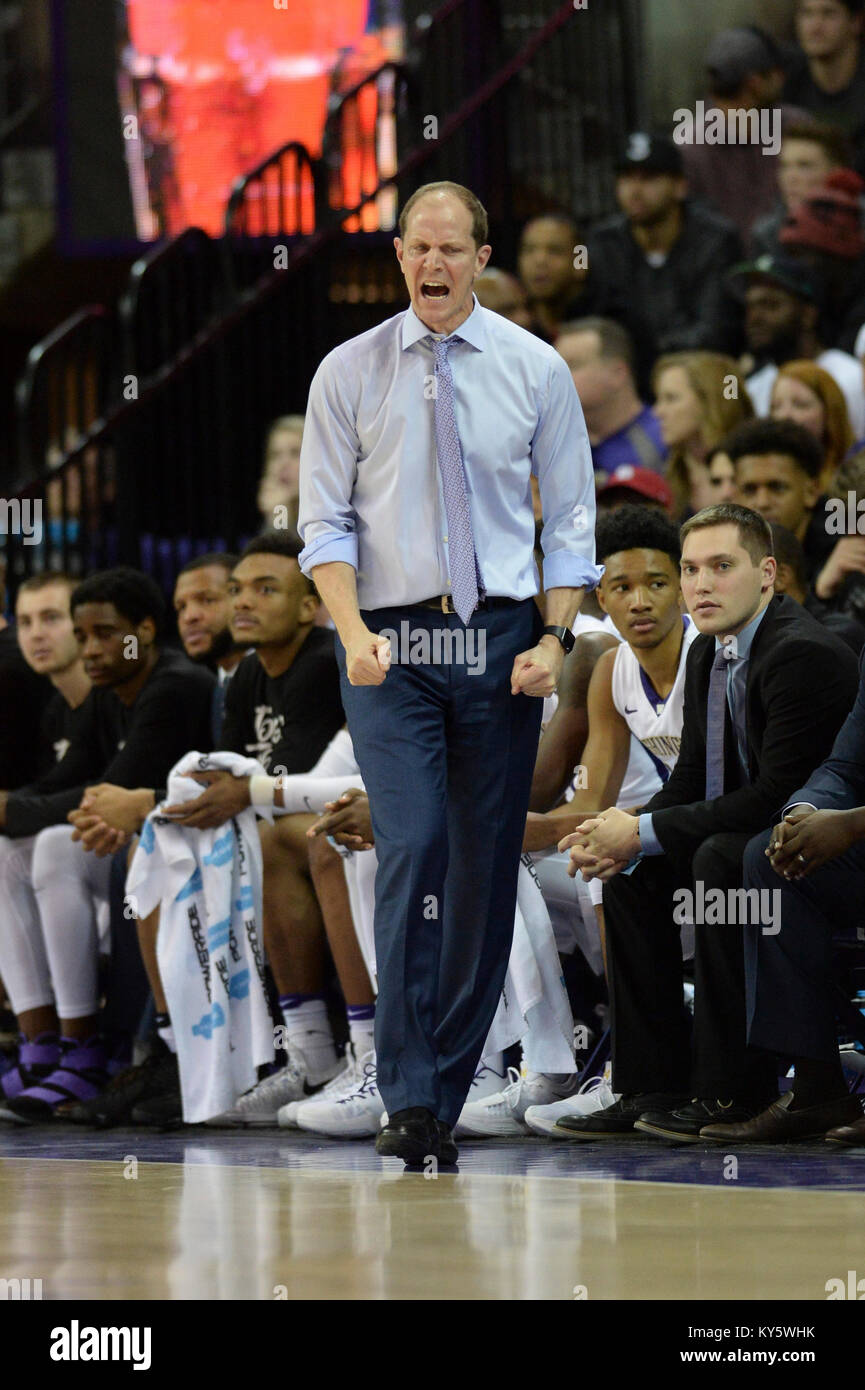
36, 1060
79, 1075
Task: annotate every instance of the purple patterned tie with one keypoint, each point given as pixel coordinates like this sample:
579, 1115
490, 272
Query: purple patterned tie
716, 713
461, 545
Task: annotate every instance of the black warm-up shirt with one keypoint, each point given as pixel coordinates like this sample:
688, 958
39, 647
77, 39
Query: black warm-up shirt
59, 729
129, 745
288, 721
23, 698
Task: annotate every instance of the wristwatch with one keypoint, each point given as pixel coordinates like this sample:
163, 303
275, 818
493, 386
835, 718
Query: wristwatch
565, 636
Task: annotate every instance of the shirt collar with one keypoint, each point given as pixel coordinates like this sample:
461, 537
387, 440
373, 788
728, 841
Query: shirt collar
472, 330
745, 637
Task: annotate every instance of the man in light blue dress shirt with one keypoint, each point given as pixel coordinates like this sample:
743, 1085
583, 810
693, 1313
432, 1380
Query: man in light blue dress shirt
415, 507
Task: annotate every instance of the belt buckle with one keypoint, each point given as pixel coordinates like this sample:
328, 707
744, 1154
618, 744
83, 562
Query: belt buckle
447, 604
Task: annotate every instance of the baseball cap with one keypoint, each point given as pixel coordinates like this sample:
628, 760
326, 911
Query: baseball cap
734, 54
640, 480
654, 154
780, 270
831, 220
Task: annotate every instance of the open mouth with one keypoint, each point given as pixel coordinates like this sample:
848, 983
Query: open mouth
434, 289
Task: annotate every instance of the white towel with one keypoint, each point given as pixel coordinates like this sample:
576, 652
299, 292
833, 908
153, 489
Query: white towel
534, 1008
209, 947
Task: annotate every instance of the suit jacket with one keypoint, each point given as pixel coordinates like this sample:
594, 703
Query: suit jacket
800, 687
838, 784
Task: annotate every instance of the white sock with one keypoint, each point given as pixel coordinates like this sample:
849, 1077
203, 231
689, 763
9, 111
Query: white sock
361, 1032
307, 1027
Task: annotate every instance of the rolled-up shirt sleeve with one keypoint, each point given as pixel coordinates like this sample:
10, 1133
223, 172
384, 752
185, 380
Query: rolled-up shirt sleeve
562, 460
328, 467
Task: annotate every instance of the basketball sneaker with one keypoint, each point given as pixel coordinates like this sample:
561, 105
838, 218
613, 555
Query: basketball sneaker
356, 1114
113, 1106
486, 1082
595, 1094
36, 1060
80, 1073
503, 1113
345, 1081
260, 1105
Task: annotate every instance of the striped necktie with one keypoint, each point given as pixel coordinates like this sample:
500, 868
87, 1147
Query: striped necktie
461, 546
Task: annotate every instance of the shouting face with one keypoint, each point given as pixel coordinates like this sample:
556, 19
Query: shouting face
440, 261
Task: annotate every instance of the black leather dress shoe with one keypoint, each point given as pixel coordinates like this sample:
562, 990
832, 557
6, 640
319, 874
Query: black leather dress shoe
448, 1151
683, 1126
411, 1135
616, 1119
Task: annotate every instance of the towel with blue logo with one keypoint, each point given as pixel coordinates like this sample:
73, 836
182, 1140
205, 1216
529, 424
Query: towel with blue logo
207, 884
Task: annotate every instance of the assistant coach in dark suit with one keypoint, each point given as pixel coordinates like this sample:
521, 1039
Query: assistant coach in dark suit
815, 857
766, 691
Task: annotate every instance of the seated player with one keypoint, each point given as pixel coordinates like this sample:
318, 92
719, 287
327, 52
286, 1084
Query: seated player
149, 1092
282, 707
24, 695
146, 708
312, 861
48, 645
766, 689
201, 607
635, 718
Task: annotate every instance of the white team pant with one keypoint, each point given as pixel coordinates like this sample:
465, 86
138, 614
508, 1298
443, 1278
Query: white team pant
23, 960
71, 891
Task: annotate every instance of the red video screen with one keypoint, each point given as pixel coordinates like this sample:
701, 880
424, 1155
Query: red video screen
212, 87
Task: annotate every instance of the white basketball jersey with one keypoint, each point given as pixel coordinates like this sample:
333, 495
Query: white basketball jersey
655, 723
640, 781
